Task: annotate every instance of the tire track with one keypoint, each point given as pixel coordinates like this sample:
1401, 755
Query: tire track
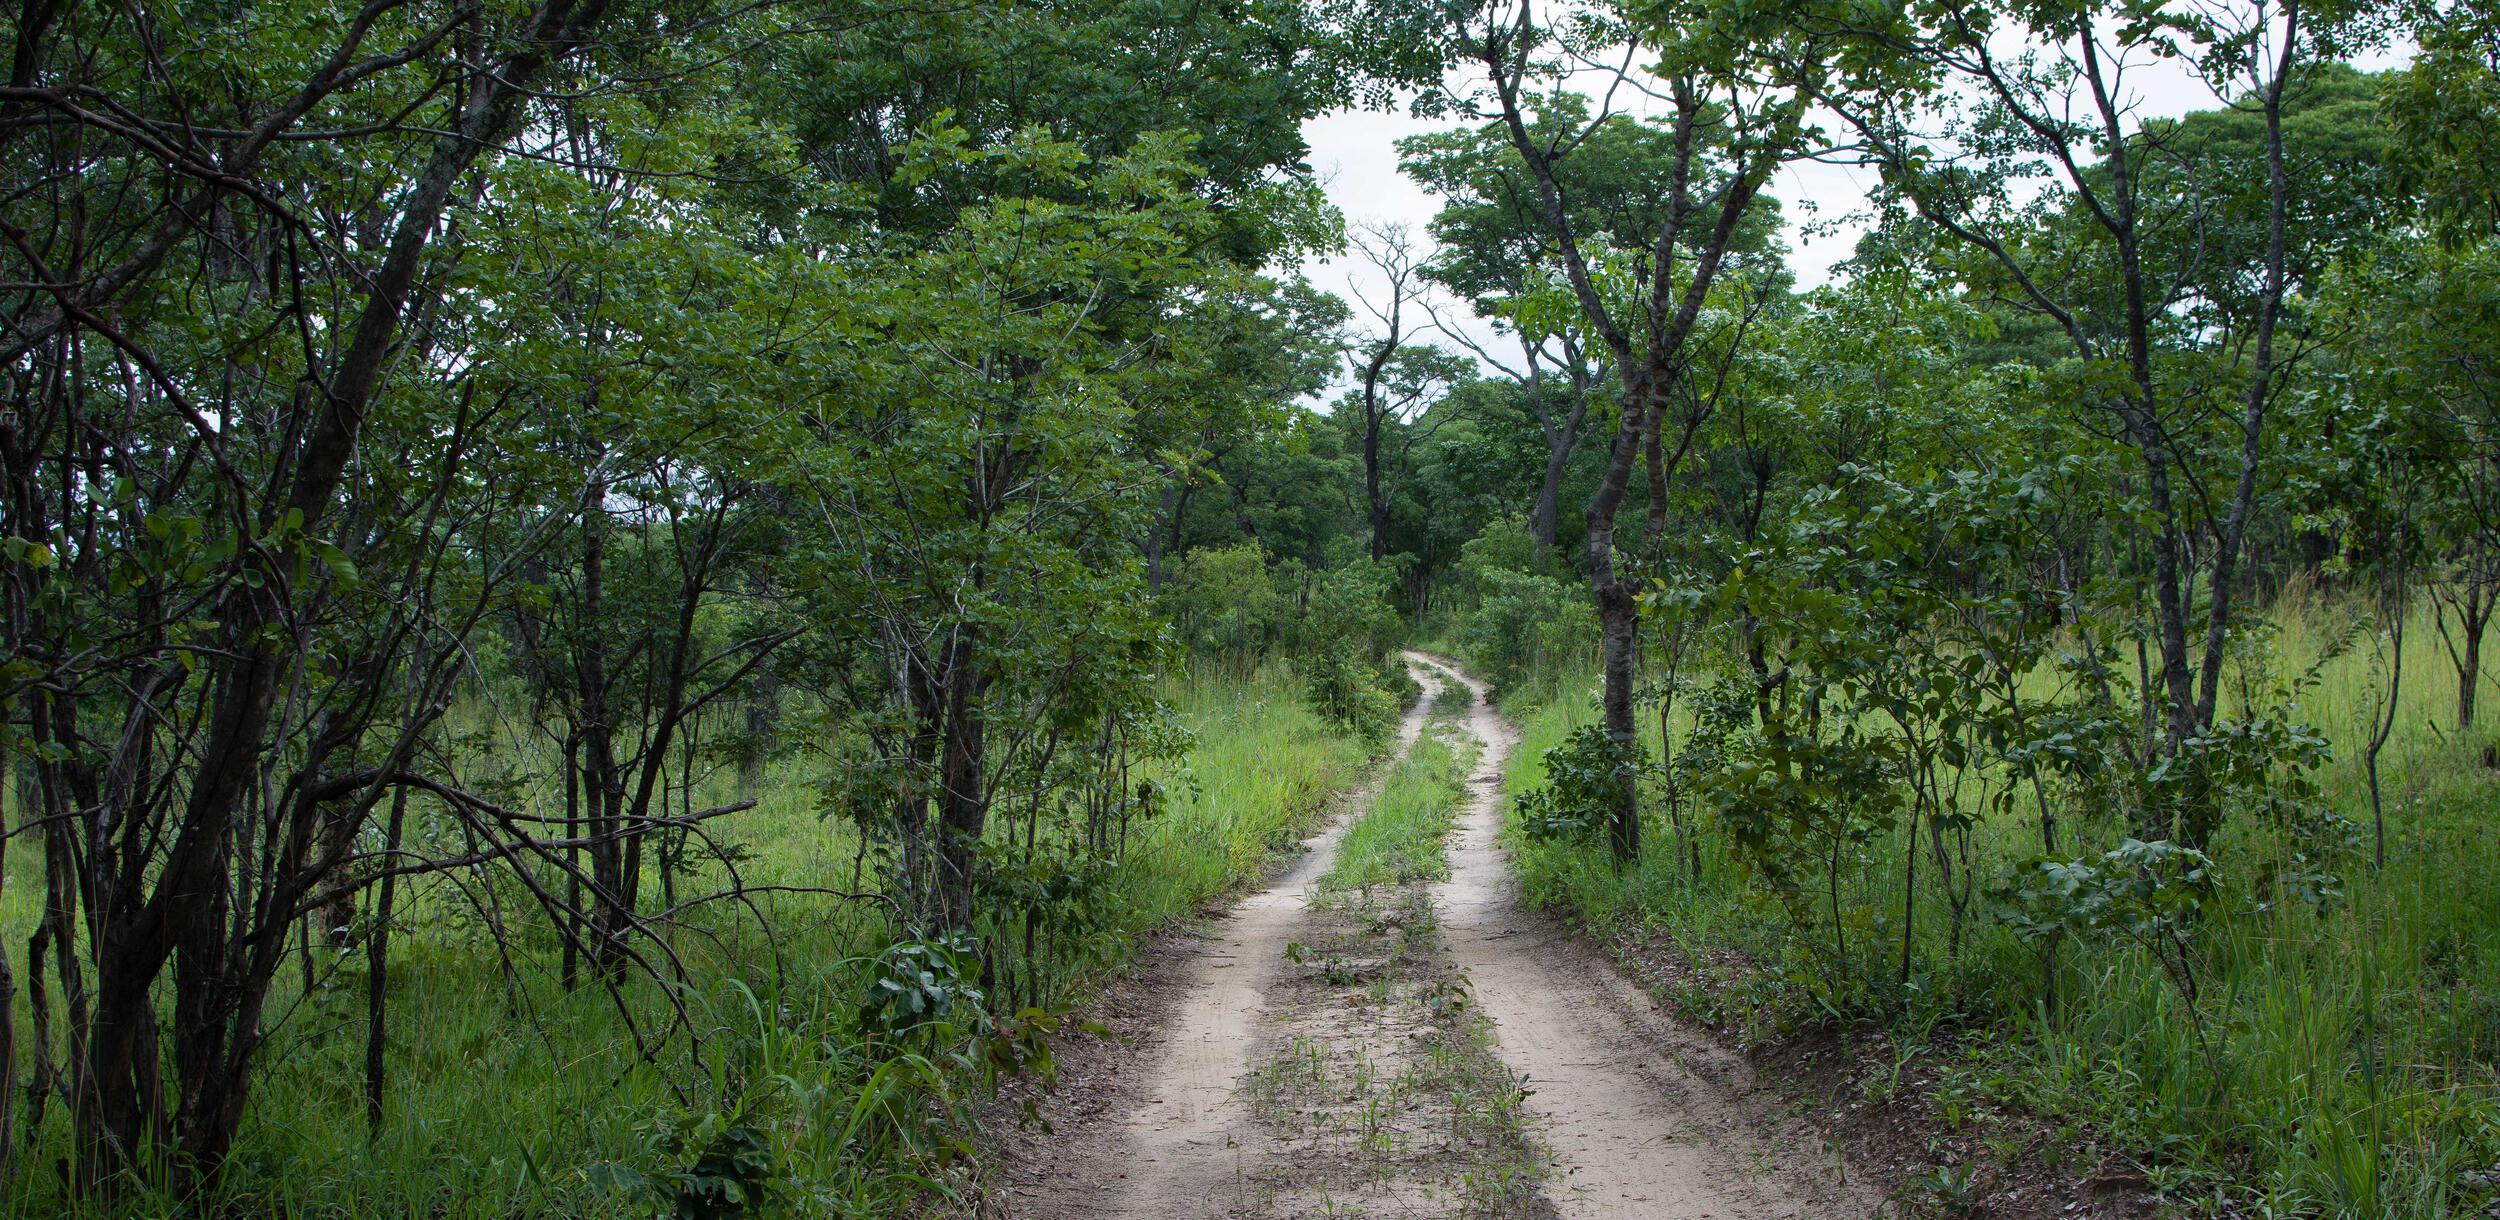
1176, 1150
1630, 1131
1633, 1132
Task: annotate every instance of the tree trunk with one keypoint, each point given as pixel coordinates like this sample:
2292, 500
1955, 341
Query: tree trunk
377, 981
2470, 673
963, 802
763, 728
570, 968
1373, 499
1618, 615
1544, 520
2392, 609
602, 782
2474, 605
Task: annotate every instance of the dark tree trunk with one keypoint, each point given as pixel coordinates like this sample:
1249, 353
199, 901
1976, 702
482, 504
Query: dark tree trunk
1544, 520
2470, 671
963, 801
1618, 623
602, 779
2474, 596
2383, 724
570, 969
763, 730
377, 982
1376, 503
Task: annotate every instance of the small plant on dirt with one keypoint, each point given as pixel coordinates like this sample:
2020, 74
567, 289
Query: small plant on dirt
1882, 1087
1338, 972
1953, 1190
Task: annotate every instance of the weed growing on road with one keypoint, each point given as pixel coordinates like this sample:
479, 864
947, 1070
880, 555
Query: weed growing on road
1386, 1096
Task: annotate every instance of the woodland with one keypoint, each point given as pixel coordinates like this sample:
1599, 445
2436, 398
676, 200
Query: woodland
621, 607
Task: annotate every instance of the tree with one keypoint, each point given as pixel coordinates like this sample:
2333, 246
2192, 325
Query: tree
1495, 252
333, 350
2441, 114
1394, 378
1955, 153
255, 701
2415, 330
1737, 116
976, 490
1267, 347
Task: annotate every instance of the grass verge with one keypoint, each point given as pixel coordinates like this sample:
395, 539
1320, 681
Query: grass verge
2330, 1053
510, 1096
1399, 841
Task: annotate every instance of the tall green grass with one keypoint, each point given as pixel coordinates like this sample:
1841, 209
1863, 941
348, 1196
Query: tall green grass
1398, 842
1264, 766
2340, 1059
511, 1097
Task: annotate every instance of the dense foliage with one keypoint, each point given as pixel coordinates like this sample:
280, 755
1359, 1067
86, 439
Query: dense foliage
751, 548
2067, 624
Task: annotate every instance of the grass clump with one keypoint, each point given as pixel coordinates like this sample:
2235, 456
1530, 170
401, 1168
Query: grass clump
1398, 842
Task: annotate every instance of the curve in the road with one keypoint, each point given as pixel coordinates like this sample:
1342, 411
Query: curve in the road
1632, 1132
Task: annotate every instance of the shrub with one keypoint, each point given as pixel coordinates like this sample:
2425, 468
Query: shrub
1226, 606
1586, 778
1347, 693
1527, 625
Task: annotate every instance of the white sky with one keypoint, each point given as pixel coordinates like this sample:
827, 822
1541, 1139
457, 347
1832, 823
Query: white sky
1355, 155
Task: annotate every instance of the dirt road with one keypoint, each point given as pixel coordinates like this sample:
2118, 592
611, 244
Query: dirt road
1418, 1053
1631, 1130
1178, 1148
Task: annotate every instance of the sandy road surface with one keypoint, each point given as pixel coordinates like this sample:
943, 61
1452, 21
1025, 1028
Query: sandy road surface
1626, 1130
1632, 1132
1174, 1150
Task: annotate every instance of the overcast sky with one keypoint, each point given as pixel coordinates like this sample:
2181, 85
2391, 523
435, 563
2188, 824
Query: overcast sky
1355, 154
